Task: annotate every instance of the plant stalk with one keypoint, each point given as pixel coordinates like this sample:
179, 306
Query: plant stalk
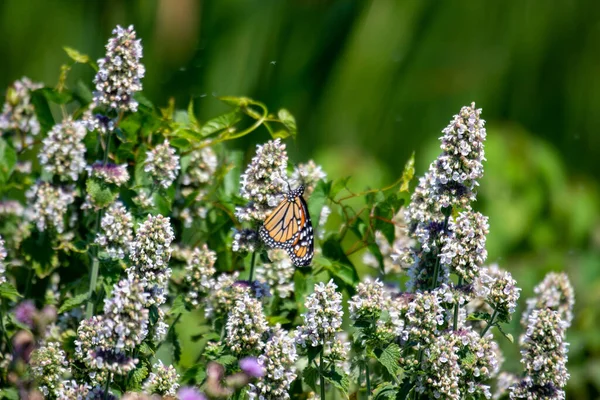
321, 375
490, 324
368, 377
456, 308
106, 388
252, 261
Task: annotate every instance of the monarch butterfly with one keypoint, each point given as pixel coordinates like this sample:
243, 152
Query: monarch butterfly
288, 227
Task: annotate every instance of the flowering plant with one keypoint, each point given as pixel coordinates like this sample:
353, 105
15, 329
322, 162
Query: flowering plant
131, 264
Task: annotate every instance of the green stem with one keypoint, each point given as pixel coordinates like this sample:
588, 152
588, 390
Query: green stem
107, 148
321, 375
89, 310
106, 388
368, 377
251, 276
490, 324
456, 308
436, 269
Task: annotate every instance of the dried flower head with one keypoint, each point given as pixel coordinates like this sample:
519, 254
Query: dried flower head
278, 274
199, 273
48, 206
278, 360
162, 163
264, 181
323, 318
48, 367
18, 113
109, 173
246, 326
554, 292
120, 71
163, 380
116, 232
63, 151
463, 250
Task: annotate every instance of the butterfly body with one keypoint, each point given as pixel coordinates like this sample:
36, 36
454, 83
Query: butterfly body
289, 227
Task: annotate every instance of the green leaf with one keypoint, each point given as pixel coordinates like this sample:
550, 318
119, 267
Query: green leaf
506, 335
180, 143
153, 314
338, 185
191, 115
76, 55
313, 353
469, 360
55, 96
389, 357
146, 350
73, 302
338, 378
9, 292
479, 316
408, 173
347, 273
178, 306
8, 159
288, 120
138, 375
101, 194
9, 394
310, 376
385, 391
236, 101
42, 110
405, 389
227, 360
222, 122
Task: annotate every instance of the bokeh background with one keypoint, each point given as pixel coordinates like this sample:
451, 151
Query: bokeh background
369, 82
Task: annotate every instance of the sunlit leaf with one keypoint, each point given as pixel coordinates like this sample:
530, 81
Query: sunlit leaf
222, 122
76, 55
408, 173
73, 302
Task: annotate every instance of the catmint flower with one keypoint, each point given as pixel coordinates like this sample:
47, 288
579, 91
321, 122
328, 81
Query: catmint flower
199, 272
98, 393
48, 206
278, 274
498, 289
150, 253
459, 167
244, 240
120, 71
162, 163
323, 217
63, 151
480, 362
48, 367
417, 317
163, 380
116, 232
201, 168
463, 249
442, 370
251, 367
246, 326
18, 112
323, 318
370, 300
25, 312
264, 181
143, 200
2, 264
11, 208
504, 382
190, 393
109, 173
71, 389
554, 292
278, 361
222, 296
309, 175
97, 122
544, 357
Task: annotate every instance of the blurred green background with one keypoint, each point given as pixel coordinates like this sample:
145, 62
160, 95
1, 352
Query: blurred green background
369, 82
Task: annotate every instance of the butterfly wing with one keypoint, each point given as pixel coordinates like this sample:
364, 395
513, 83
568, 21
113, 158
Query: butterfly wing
302, 250
281, 228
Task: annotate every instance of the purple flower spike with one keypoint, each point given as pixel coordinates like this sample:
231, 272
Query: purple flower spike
189, 393
252, 367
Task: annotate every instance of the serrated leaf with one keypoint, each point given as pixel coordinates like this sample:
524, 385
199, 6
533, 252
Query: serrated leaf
9, 394
385, 391
138, 375
389, 357
313, 353
227, 360
222, 122
76, 55
408, 173
479, 316
42, 110
178, 306
8, 160
288, 120
338, 378
191, 115
9, 292
311, 376
145, 349
73, 302
101, 194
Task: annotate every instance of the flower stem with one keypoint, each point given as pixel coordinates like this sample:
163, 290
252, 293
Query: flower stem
89, 310
490, 324
252, 261
107, 386
368, 377
107, 148
456, 308
321, 375
436, 269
